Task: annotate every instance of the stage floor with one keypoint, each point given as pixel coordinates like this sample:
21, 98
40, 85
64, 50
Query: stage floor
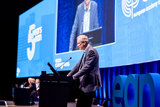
11, 104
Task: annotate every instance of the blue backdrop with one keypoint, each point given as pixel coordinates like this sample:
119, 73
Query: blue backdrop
137, 40
37, 29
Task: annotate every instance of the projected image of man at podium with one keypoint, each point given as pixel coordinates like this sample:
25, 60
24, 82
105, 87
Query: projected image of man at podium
87, 72
86, 19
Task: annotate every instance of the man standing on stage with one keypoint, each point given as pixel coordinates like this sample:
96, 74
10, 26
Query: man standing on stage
87, 72
86, 19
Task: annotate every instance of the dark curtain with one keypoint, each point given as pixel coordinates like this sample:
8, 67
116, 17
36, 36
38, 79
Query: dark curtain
66, 14
108, 22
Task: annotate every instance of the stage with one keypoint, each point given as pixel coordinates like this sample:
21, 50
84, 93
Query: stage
11, 104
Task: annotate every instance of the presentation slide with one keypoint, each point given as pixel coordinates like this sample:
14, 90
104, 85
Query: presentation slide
36, 38
137, 33
48, 31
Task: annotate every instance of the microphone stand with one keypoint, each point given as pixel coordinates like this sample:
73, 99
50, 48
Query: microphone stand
55, 71
64, 63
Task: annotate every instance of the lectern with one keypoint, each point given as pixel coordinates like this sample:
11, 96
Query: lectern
94, 36
54, 90
22, 96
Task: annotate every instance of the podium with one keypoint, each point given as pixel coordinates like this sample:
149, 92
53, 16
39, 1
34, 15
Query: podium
94, 36
22, 96
54, 90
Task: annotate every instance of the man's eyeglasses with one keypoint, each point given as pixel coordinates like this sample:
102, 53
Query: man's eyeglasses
79, 43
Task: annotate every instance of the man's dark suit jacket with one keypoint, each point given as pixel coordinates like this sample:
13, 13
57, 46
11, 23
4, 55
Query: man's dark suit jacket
89, 74
77, 28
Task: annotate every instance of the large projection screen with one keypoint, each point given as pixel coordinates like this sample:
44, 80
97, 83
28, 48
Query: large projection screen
44, 33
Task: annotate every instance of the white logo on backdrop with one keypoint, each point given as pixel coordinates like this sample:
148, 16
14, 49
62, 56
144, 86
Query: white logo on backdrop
128, 7
34, 36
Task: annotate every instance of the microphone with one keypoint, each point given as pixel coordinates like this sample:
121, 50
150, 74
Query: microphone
24, 84
64, 63
55, 71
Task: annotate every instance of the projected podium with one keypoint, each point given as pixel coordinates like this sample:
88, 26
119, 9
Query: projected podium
94, 37
54, 90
